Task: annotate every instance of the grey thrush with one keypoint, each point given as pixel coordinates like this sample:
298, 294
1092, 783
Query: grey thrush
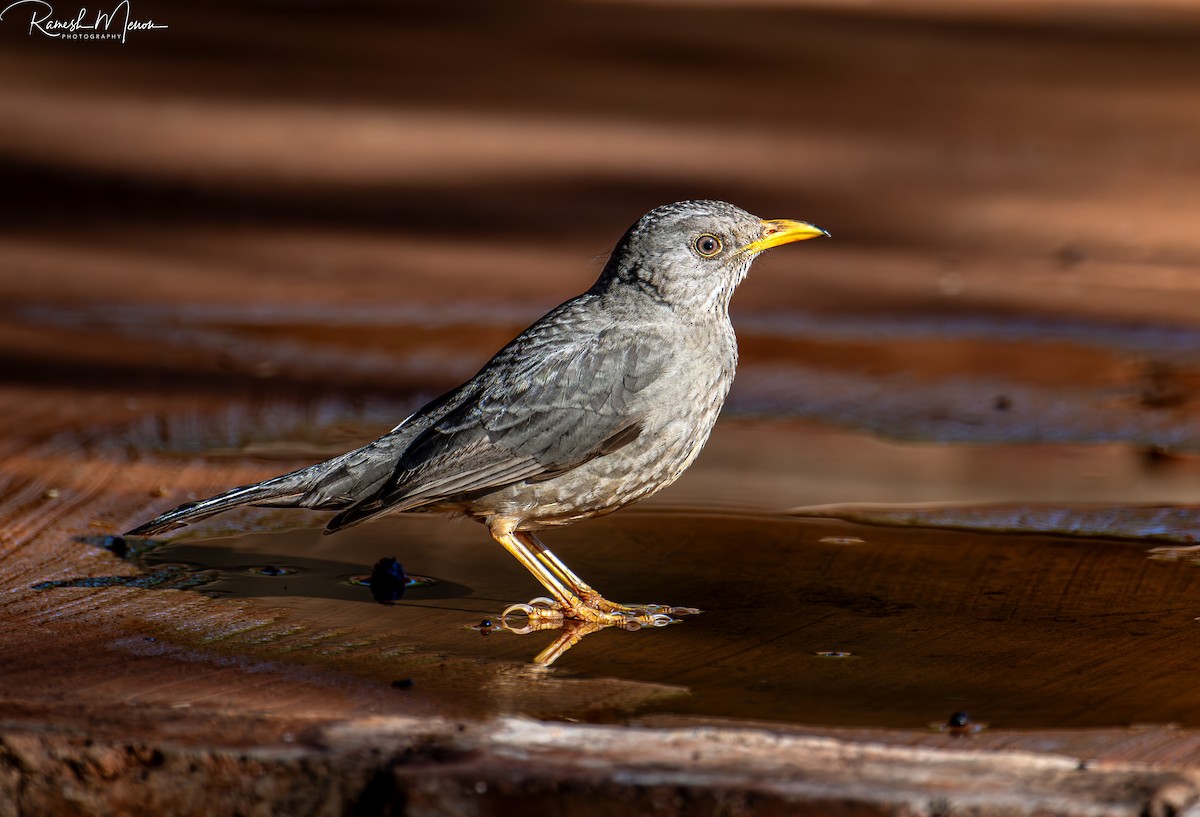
603, 401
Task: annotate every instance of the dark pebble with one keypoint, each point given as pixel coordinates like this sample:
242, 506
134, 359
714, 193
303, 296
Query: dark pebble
959, 720
388, 581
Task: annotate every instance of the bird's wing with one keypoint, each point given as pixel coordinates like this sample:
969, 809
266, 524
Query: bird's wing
533, 416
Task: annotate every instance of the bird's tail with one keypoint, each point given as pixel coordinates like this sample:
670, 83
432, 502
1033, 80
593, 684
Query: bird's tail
335, 484
284, 491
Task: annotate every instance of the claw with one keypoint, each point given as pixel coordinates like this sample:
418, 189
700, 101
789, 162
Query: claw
538, 616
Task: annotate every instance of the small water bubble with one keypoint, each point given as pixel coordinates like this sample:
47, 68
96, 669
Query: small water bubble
841, 540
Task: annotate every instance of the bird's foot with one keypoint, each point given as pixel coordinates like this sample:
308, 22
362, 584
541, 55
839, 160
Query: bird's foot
576, 620
544, 613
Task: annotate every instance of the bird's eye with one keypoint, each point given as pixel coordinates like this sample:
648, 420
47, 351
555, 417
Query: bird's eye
707, 245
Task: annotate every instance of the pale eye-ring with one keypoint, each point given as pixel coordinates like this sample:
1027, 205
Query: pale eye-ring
707, 245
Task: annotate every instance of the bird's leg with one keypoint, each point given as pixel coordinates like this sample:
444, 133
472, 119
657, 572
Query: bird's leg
572, 597
563, 596
559, 568
584, 591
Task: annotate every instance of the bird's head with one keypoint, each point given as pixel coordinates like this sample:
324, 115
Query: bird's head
693, 254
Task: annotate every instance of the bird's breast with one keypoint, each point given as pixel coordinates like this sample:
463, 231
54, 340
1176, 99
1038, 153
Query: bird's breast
677, 413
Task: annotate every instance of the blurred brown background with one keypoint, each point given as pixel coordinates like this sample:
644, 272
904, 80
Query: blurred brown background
370, 196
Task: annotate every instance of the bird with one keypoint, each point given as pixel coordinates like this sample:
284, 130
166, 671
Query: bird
603, 401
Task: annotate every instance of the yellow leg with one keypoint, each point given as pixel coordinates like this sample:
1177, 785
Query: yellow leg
553, 583
584, 591
571, 596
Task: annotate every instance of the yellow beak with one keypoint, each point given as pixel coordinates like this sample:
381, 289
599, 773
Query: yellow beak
782, 231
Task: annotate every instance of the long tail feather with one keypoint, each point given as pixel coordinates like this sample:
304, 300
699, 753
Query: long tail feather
272, 492
334, 484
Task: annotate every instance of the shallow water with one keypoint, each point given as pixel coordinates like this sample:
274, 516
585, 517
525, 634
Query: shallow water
808, 621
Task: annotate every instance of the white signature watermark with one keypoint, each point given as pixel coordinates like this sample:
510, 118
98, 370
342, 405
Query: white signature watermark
105, 25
